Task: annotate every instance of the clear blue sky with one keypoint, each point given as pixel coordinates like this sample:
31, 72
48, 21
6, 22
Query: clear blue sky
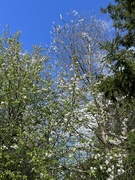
34, 17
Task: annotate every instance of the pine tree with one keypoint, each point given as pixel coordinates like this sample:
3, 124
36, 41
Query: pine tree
119, 85
121, 51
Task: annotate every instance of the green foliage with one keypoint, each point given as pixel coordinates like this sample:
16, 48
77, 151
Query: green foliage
131, 148
120, 52
119, 85
82, 125
23, 152
122, 13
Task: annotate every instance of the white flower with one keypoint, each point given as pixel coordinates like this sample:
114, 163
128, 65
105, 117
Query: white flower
110, 157
2, 102
115, 155
109, 170
106, 162
77, 88
111, 177
4, 147
72, 79
84, 34
41, 175
120, 161
48, 154
61, 17
71, 69
24, 97
92, 168
75, 13
14, 146
98, 155
120, 171
101, 167
80, 20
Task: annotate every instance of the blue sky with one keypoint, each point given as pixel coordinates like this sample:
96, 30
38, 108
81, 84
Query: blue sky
34, 17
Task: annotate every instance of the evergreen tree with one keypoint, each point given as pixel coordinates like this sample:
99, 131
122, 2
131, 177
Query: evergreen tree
121, 51
119, 86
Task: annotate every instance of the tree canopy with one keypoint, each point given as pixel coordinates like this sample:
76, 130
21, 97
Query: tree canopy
68, 112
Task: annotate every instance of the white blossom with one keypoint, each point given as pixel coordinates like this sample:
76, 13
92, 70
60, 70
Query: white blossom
2, 102
14, 146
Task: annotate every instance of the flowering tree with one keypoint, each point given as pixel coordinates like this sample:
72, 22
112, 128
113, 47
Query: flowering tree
26, 102
70, 126
94, 127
